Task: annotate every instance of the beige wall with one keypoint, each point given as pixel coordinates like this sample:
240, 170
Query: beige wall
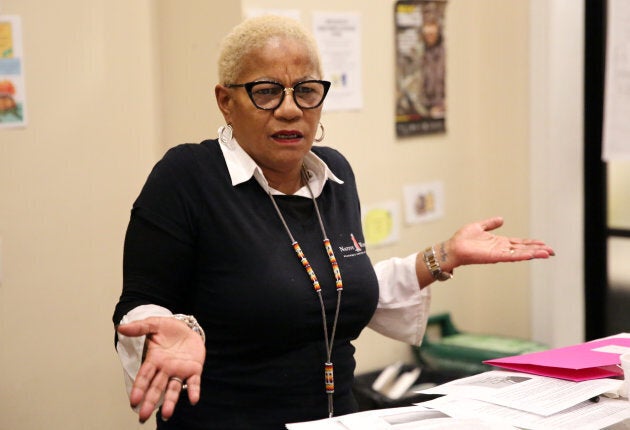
111, 84
66, 181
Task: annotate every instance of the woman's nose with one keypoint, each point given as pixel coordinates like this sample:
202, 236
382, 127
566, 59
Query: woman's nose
288, 108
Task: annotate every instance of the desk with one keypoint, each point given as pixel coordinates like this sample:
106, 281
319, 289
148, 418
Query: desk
496, 400
623, 425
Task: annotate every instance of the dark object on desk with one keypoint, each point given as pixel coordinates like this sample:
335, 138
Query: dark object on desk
445, 349
369, 399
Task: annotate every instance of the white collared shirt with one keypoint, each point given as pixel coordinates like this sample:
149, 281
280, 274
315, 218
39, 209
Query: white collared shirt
242, 167
403, 308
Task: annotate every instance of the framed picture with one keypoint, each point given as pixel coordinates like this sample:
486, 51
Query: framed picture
420, 67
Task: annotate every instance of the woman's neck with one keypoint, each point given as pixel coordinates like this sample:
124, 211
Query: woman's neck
286, 183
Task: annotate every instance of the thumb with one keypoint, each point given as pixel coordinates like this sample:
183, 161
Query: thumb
492, 223
137, 328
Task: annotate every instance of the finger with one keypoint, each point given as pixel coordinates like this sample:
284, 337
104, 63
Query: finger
520, 241
492, 223
141, 383
194, 388
543, 247
521, 253
138, 328
153, 395
542, 253
171, 396
537, 248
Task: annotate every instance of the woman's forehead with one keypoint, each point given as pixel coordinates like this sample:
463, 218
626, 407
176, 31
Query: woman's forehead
278, 58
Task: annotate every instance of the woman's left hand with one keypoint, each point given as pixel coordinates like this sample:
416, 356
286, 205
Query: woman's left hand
476, 244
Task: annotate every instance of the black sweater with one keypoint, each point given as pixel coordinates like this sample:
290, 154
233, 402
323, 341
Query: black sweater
198, 245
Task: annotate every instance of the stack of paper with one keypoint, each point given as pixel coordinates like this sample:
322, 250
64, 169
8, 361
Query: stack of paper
564, 388
532, 402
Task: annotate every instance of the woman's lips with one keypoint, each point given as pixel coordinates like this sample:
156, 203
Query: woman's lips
287, 135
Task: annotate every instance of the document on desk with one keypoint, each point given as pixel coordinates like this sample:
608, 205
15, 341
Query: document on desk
526, 392
401, 418
583, 416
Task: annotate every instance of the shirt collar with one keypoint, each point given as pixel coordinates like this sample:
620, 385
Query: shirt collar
242, 167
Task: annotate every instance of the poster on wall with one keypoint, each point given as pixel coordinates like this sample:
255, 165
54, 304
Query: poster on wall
12, 97
338, 36
420, 67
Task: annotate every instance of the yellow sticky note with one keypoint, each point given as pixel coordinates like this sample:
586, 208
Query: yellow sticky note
378, 225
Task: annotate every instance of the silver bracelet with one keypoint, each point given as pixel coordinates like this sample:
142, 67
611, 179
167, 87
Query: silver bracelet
191, 322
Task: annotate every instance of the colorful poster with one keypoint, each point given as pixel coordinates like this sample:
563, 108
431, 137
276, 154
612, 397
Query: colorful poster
420, 67
12, 96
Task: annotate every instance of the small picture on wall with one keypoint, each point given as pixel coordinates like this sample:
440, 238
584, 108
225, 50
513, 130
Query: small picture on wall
420, 67
424, 202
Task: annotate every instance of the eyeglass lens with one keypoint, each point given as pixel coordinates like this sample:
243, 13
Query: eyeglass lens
269, 95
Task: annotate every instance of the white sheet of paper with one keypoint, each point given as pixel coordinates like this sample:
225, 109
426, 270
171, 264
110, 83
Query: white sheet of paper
530, 393
402, 418
583, 416
338, 36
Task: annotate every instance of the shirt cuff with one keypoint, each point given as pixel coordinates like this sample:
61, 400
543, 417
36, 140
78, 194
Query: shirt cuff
403, 308
130, 349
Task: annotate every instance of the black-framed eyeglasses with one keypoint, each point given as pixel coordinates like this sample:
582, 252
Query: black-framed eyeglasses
268, 95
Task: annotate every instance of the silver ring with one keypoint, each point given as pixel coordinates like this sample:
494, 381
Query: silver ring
175, 378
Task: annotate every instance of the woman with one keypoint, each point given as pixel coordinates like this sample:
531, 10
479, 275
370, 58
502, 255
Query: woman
254, 242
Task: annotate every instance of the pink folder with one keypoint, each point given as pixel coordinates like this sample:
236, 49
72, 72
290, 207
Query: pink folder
590, 360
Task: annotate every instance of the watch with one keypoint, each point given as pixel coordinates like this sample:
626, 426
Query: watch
434, 266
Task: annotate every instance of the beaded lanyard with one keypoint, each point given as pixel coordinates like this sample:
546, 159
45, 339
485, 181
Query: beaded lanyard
329, 379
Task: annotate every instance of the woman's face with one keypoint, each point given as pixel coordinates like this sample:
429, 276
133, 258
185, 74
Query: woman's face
430, 32
276, 139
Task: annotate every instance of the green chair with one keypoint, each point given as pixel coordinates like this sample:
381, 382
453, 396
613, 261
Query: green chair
447, 350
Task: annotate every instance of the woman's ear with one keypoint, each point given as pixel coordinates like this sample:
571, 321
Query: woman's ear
224, 101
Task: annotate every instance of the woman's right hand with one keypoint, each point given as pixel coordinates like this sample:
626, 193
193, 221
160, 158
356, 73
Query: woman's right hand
173, 350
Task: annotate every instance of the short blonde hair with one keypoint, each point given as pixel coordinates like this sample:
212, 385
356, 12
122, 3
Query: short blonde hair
253, 34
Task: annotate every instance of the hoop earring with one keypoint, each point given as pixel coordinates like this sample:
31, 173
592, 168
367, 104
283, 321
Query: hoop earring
225, 135
321, 137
